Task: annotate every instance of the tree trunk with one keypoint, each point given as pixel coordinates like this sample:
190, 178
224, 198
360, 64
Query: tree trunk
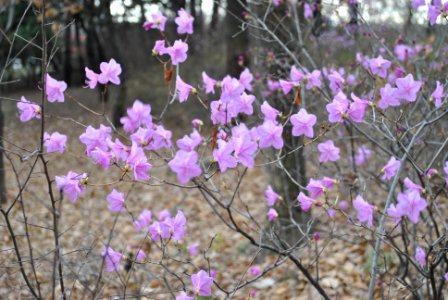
2, 166
68, 51
237, 41
215, 14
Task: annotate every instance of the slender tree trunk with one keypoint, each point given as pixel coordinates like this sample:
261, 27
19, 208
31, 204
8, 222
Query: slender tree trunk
237, 41
2, 166
68, 51
215, 14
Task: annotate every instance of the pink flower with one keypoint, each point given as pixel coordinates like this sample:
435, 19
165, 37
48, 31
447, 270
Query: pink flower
71, 184
337, 82
315, 188
197, 123
328, 182
178, 52
420, 256
184, 164
184, 22
163, 215
270, 135
303, 123
312, 79
223, 156
295, 74
158, 232
337, 109
92, 78
286, 86
305, 201
244, 104
435, 10
159, 48
138, 162
410, 204
189, 142
407, 88
307, 11
388, 97
28, 110
271, 196
362, 155
364, 209
109, 72
411, 186
143, 220
140, 256
328, 151
158, 21
209, 83
246, 78
394, 213
55, 142
269, 112
183, 89
231, 89
55, 89
175, 226
161, 138
379, 66
403, 52
417, 3
193, 249
116, 201
202, 283
254, 271
272, 215
138, 115
437, 95
101, 157
390, 168
111, 259
96, 138
357, 109
184, 296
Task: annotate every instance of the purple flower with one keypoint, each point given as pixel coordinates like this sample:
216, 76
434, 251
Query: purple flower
390, 168
379, 66
403, 52
111, 259
143, 220
420, 256
178, 52
140, 256
305, 201
138, 162
407, 88
183, 89
28, 110
271, 196
246, 78
410, 204
101, 157
411, 186
437, 95
159, 48
394, 213
315, 188
270, 135
184, 164
161, 138
357, 109
295, 74
286, 86
272, 215
109, 72
209, 83
193, 249
55, 89
184, 296
254, 271
223, 156
303, 123
175, 226
435, 10
202, 283
92, 78
328, 151
417, 3
71, 184
158, 21
158, 232
313, 79
116, 201
138, 115
162, 215
388, 97
364, 210
337, 82
337, 109
55, 142
189, 142
184, 22
244, 104
362, 155
307, 11
231, 89
269, 112
96, 138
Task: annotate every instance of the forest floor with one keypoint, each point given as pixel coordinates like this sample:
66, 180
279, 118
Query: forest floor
86, 225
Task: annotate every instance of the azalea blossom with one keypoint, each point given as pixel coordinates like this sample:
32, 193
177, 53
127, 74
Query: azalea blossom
138, 162
175, 226
184, 22
158, 21
388, 97
116, 201
55, 142
305, 201
271, 196
390, 168
270, 135
112, 259
438, 94
184, 296
337, 109
328, 151
420, 256
55, 89
110, 72
184, 164
72, 184
315, 188
28, 110
202, 283
209, 83
303, 123
183, 89
407, 88
142, 220
364, 210
92, 78
272, 215
178, 52
411, 204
